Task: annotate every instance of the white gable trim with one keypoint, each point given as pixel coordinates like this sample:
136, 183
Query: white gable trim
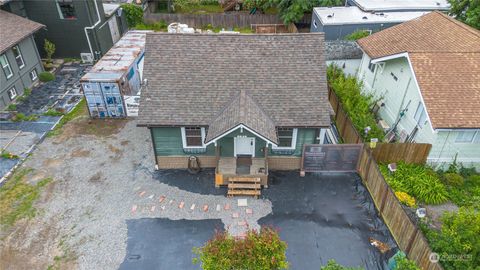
405, 54
242, 126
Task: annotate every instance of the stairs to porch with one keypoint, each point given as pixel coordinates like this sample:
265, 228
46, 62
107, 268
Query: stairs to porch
244, 186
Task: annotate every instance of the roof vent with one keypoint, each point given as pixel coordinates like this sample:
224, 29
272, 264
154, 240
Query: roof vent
438, 4
330, 15
364, 17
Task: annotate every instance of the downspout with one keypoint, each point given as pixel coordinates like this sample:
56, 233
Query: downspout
92, 27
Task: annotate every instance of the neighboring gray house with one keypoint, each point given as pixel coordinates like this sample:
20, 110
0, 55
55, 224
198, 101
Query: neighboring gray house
399, 5
338, 22
78, 28
19, 58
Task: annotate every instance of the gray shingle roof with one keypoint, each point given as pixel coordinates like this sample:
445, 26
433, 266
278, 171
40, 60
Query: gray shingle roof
242, 110
192, 77
14, 28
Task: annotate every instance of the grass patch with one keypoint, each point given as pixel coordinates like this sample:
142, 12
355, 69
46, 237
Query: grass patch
79, 110
217, 29
463, 185
46, 76
11, 107
52, 112
199, 9
7, 155
17, 198
22, 117
160, 26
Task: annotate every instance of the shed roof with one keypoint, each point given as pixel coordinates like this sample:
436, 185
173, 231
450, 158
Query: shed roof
354, 15
445, 57
192, 78
14, 28
115, 63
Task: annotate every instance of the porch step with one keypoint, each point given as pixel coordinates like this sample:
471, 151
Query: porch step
246, 186
244, 192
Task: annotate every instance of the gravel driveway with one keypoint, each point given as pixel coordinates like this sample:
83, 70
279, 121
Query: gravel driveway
100, 183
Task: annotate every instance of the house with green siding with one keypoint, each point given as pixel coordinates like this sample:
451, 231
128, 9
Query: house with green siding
242, 104
426, 74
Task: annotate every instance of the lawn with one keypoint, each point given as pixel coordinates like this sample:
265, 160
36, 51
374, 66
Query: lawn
77, 111
199, 9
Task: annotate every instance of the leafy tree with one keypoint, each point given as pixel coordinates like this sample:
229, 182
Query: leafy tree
292, 11
49, 49
133, 13
467, 11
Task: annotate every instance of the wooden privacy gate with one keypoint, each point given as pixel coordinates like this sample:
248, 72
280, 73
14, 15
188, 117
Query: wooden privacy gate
330, 157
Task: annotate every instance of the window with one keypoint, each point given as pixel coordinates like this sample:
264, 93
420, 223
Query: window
66, 9
420, 115
287, 138
33, 75
193, 137
393, 76
12, 93
6, 66
371, 66
18, 56
465, 136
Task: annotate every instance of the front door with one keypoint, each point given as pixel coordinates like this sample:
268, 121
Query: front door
244, 146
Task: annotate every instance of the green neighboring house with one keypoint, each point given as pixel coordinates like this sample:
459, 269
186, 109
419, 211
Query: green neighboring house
242, 104
19, 58
78, 28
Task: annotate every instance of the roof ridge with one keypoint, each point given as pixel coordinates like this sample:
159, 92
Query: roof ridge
459, 23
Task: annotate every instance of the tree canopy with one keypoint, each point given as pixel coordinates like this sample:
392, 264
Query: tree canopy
467, 11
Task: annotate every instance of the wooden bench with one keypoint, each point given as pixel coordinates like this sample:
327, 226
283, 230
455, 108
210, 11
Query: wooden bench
244, 186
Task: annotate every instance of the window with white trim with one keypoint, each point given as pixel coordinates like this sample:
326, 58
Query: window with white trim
33, 75
12, 93
193, 137
420, 115
18, 56
466, 136
287, 138
6, 66
66, 9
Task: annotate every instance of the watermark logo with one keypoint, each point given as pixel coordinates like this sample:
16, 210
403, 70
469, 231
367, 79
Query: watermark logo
434, 257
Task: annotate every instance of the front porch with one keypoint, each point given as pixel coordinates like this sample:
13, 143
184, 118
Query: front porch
241, 167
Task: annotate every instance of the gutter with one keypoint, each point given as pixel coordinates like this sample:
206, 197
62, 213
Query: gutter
92, 27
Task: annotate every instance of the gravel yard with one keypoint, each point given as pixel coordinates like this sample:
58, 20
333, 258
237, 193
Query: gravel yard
101, 181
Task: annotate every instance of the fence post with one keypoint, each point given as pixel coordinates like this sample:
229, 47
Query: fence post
410, 242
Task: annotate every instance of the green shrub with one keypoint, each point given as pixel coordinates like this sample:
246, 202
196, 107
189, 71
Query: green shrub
466, 172
11, 107
468, 194
419, 181
357, 35
7, 155
453, 179
333, 265
258, 250
22, 117
46, 76
459, 236
49, 48
356, 105
133, 13
403, 263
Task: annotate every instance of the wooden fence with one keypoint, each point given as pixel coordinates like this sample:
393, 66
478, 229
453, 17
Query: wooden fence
383, 152
234, 19
345, 127
407, 235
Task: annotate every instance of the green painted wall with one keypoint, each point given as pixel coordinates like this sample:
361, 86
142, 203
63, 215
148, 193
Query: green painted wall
168, 142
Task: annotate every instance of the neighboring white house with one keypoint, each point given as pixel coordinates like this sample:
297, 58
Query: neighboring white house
426, 73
